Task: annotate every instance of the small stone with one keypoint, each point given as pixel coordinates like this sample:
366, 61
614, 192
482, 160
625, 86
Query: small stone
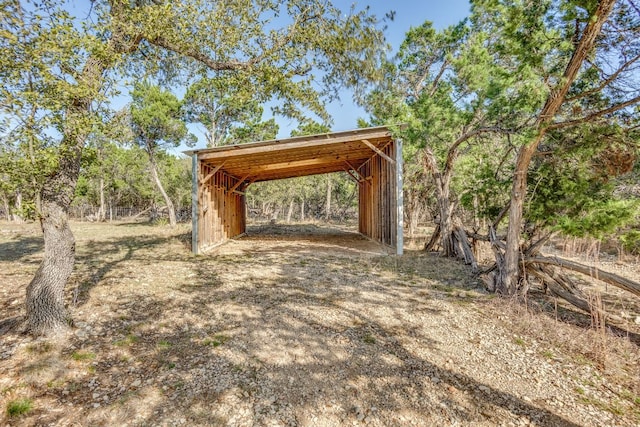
96, 405
136, 383
95, 395
483, 388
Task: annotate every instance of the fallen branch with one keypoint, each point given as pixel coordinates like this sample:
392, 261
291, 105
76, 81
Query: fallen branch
435, 238
467, 253
561, 288
610, 278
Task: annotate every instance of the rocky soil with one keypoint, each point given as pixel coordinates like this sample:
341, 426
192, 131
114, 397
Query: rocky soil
299, 326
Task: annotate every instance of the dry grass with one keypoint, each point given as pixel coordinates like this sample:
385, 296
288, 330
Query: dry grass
296, 325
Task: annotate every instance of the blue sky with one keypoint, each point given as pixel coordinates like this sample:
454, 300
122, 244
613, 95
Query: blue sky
409, 13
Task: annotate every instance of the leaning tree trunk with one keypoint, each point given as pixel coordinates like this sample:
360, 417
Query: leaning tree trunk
442, 182
510, 274
165, 196
46, 313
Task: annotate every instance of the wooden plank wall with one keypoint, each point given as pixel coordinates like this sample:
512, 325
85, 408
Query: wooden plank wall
377, 198
221, 212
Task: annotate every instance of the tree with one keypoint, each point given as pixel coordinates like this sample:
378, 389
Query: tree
229, 109
156, 122
318, 51
575, 82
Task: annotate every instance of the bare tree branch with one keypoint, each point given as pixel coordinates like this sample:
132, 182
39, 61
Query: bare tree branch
606, 82
612, 109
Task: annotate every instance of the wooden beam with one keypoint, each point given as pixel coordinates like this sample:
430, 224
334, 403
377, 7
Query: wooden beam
352, 175
208, 177
234, 188
378, 151
276, 146
355, 170
248, 184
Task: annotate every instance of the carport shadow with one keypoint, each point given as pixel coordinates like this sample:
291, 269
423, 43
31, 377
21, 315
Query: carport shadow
279, 312
388, 371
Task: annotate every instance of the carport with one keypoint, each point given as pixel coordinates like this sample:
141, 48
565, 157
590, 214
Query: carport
371, 156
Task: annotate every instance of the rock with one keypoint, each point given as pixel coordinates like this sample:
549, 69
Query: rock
136, 383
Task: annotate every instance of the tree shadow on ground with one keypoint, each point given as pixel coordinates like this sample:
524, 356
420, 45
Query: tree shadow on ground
100, 258
258, 354
262, 351
21, 247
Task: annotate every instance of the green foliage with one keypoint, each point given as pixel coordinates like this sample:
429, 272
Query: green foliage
156, 117
59, 72
80, 356
631, 241
573, 190
18, 407
229, 108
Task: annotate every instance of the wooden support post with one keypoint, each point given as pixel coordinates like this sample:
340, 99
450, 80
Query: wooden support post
378, 151
399, 199
194, 203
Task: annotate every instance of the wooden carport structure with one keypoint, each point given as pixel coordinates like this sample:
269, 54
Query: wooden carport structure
371, 156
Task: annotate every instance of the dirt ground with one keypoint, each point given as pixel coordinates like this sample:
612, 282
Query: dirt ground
300, 326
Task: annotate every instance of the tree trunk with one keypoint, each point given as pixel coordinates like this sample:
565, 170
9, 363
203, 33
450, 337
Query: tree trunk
509, 276
290, 211
327, 210
302, 209
5, 205
445, 207
102, 211
46, 313
158, 183
413, 215
17, 218
442, 182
